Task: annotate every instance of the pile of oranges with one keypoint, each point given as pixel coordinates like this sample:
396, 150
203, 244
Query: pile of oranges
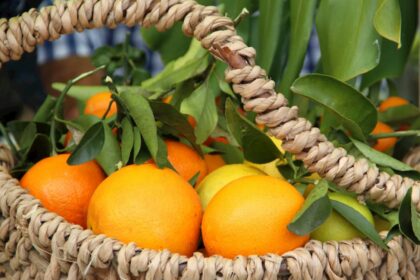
159, 209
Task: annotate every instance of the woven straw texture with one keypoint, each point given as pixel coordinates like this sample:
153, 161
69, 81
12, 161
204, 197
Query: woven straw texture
37, 244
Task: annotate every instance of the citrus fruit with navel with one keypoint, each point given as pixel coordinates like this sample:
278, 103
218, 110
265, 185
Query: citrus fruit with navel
249, 216
336, 227
155, 208
222, 176
62, 188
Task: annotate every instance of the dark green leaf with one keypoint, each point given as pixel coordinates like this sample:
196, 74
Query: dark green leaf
348, 41
271, 12
44, 112
175, 121
39, 148
405, 217
387, 20
27, 136
127, 140
137, 143
301, 21
380, 158
314, 212
229, 153
336, 96
257, 146
359, 222
393, 60
390, 215
399, 114
201, 104
193, 63
109, 157
142, 114
139, 75
394, 231
194, 179
162, 155
90, 146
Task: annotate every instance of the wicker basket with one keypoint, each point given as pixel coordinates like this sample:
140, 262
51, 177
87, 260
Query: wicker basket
37, 244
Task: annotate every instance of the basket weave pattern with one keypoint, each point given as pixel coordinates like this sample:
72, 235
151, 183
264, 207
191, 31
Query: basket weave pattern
37, 244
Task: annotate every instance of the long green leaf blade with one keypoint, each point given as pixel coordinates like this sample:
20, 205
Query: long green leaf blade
90, 145
387, 20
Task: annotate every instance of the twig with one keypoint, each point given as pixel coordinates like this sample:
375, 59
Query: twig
396, 134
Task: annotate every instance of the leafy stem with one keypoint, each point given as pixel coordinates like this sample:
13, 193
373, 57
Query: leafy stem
60, 101
396, 134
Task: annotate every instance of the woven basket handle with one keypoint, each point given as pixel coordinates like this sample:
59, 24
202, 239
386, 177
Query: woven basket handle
217, 34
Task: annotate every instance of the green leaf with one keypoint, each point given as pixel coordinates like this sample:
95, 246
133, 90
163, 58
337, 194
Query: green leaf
271, 12
162, 156
164, 42
393, 60
45, 112
348, 41
194, 179
387, 20
83, 122
142, 114
390, 215
39, 148
415, 220
380, 158
399, 114
336, 96
137, 143
127, 140
174, 121
109, 157
201, 104
359, 222
27, 136
193, 63
229, 153
257, 146
234, 8
301, 21
405, 215
314, 212
90, 145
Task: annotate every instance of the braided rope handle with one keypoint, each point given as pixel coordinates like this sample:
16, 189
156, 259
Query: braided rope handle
217, 34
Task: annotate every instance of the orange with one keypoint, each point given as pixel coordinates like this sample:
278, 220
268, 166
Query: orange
383, 144
186, 161
98, 103
392, 101
62, 188
250, 216
213, 161
155, 208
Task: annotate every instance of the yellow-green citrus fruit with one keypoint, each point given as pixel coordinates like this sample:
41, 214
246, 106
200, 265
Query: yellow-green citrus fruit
336, 227
220, 177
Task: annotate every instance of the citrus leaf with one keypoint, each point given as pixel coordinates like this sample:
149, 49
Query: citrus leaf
257, 146
193, 63
194, 179
136, 143
229, 153
393, 60
269, 26
27, 136
348, 41
175, 121
380, 158
301, 21
110, 155
127, 140
336, 96
90, 146
399, 114
390, 215
315, 210
162, 156
387, 20
359, 222
39, 148
415, 220
405, 215
201, 104
142, 114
